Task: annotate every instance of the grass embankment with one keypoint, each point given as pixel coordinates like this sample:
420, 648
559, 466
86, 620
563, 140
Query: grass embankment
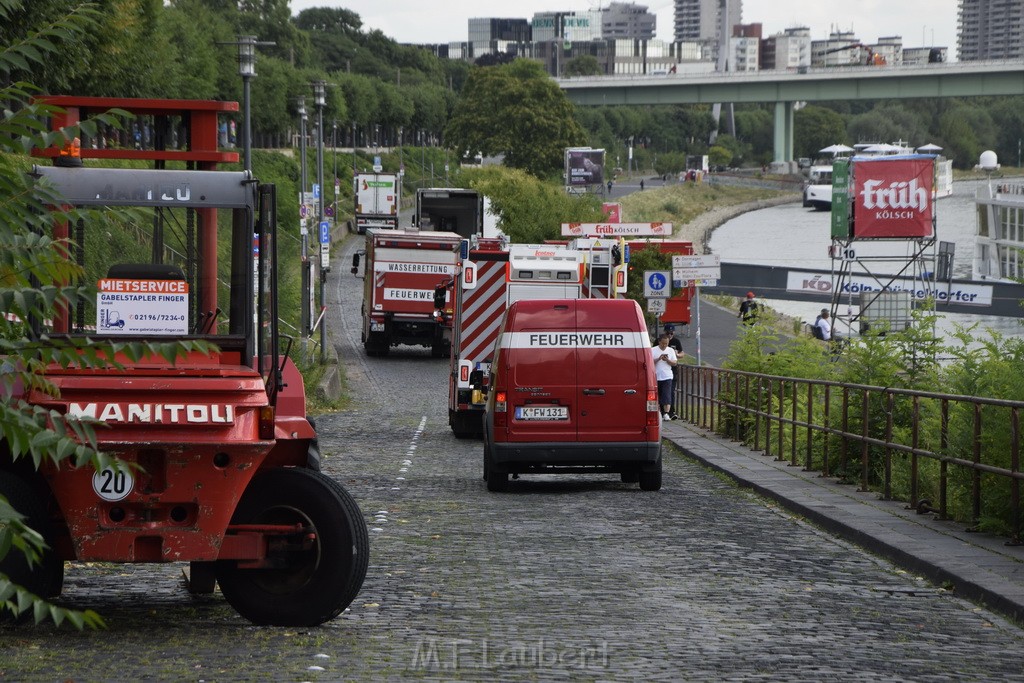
696, 209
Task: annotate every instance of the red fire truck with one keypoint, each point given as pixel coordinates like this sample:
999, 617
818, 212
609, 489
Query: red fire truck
220, 465
403, 268
492, 275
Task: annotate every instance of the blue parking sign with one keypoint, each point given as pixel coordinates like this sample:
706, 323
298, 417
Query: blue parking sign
325, 232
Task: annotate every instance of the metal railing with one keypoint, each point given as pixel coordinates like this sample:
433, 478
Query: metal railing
906, 444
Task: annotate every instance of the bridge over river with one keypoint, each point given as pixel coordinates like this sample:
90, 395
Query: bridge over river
787, 88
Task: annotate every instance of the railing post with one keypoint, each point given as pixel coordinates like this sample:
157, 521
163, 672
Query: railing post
975, 472
757, 416
828, 425
915, 441
736, 406
1014, 482
808, 459
865, 453
943, 465
792, 431
887, 464
843, 443
768, 419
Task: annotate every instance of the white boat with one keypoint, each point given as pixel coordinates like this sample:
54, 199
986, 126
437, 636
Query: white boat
999, 232
818, 190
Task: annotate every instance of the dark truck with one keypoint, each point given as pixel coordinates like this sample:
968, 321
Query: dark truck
447, 209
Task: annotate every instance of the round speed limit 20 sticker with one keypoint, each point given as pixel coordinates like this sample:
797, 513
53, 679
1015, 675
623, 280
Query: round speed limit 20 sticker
112, 484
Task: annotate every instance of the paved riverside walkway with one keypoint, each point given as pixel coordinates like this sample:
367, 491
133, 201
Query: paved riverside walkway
977, 566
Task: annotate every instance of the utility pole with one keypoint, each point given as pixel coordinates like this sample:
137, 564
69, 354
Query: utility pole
319, 100
304, 314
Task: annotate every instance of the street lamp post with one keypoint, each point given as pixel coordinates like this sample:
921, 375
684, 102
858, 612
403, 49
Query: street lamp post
337, 184
304, 314
319, 100
246, 69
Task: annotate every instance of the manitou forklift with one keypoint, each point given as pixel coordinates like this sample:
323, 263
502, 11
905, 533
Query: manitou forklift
221, 465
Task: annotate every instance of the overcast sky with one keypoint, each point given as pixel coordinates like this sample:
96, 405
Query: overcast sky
920, 22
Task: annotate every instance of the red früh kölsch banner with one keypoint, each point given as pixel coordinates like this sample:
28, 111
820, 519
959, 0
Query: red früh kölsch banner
893, 197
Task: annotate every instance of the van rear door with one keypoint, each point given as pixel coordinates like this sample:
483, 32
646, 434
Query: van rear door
541, 363
611, 373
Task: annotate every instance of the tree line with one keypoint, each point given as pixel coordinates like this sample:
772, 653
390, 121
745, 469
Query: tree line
384, 93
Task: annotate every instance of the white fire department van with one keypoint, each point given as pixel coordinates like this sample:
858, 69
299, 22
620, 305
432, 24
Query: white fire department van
572, 389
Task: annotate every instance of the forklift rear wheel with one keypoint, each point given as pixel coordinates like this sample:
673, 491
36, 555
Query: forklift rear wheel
310, 579
47, 578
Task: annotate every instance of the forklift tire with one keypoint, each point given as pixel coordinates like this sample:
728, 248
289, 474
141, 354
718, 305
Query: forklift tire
304, 586
45, 579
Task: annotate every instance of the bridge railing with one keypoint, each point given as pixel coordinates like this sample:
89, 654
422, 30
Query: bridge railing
956, 456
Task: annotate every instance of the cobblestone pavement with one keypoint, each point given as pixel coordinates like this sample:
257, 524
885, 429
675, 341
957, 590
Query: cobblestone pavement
562, 578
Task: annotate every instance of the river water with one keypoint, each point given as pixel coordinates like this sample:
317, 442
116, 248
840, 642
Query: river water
794, 236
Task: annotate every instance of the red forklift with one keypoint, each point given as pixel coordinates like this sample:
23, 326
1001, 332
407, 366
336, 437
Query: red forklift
221, 466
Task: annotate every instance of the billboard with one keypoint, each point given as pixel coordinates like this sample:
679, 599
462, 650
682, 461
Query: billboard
584, 166
616, 229
892, 197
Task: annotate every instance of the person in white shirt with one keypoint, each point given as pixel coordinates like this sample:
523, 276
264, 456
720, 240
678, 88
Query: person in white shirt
665, 359
824, 325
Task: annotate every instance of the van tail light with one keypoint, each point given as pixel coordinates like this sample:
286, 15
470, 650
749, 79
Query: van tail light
266, 423
653, 409
501, 410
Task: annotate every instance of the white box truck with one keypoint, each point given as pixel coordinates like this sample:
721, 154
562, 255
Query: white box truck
376, 198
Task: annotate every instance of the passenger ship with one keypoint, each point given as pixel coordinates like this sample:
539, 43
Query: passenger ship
999, 236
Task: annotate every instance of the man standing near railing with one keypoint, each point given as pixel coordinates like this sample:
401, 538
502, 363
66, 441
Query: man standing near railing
664, 358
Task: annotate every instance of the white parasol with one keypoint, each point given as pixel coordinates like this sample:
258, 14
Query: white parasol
835, 149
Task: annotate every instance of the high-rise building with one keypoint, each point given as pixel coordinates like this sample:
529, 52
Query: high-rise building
499, 36
990, 29
788, 51
569, 26
484, 30
701, 20
627, 21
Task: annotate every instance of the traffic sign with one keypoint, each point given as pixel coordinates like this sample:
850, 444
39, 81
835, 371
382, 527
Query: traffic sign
657, 284
656, 305
696, 267
325, 232
696, 261
329, 211
316, 191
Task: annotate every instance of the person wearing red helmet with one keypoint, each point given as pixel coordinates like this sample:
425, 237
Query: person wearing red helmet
748, 310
